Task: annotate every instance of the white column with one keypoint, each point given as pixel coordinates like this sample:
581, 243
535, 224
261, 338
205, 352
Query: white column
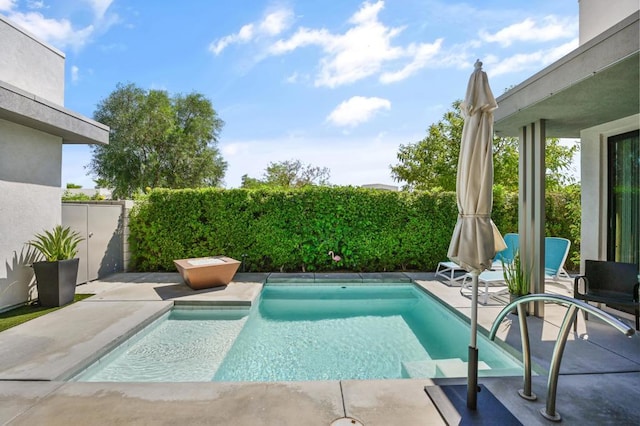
531, 214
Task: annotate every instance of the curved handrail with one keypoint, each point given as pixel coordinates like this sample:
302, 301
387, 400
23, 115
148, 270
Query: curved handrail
549, 412
560, 299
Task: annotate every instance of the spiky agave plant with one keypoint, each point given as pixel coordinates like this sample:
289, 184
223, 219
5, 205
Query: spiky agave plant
516, 276
59, 244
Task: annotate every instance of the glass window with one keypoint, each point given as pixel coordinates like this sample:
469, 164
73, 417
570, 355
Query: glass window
623, 243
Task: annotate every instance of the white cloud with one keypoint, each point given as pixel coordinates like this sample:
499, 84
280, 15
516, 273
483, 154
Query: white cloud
100, 7
75, 73
33, 4
302, 37
243, 36
271, 25
293, 78
60, 32
532, 61
422, 54
366, 48
276, 22
57, 32
7, 5
357, 110
551, 28
358, 53
368, 13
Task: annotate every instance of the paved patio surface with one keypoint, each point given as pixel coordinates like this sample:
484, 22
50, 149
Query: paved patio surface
599, 382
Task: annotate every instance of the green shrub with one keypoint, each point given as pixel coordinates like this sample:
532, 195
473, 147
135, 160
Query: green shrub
294, 229
68, 196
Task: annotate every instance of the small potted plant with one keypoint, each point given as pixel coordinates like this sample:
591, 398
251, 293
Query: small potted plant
56, 275
517, 277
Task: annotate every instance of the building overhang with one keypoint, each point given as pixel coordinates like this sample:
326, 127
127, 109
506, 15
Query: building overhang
24, 108
594, 84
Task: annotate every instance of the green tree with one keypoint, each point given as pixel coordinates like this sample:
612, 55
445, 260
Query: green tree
157, 140
289, 174
251, 183
433, 161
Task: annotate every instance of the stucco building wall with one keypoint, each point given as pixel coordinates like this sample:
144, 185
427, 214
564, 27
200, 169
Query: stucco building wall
30, 193
598, 15
29, 64
33, 127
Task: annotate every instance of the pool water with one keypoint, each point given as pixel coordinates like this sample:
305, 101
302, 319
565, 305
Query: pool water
184, 345
306, 333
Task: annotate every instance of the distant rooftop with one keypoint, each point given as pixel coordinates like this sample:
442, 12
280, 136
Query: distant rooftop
380, 186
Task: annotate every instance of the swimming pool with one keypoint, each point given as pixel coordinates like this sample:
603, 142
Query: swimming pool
294, 333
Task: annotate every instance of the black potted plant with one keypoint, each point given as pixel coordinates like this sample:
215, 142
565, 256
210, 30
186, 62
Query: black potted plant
56, 275
517, 277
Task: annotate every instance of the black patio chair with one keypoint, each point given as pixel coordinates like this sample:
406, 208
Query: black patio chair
613, 283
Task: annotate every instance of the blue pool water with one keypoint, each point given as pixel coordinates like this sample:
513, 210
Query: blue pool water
305, 333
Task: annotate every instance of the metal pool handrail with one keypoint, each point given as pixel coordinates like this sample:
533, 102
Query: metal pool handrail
549, 412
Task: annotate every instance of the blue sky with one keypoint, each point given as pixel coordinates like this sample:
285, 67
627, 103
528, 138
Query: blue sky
337, 84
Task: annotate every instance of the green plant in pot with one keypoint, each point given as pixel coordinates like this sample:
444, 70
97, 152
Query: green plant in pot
517, 277
56, 275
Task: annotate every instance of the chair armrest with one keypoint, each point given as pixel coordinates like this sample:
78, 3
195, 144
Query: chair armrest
576, 281
635, 292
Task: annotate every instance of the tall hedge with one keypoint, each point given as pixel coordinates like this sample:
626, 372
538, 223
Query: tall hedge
293, 230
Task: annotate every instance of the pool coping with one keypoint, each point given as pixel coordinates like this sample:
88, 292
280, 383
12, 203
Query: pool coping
337, 277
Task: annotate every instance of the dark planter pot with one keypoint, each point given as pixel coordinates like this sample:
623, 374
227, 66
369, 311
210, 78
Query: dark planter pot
513, 297
56, 282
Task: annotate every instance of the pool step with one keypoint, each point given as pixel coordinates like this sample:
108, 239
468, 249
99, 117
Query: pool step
451, 367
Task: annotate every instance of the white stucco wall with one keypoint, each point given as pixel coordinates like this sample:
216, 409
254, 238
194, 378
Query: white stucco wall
29, 156
30, 192
593, 170
598, 15
30, 159
30, 64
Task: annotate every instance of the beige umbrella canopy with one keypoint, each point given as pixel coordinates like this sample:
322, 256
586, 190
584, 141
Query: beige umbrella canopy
476, 239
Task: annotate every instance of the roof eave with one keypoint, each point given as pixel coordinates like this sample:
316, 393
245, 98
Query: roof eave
24, 108
595, 83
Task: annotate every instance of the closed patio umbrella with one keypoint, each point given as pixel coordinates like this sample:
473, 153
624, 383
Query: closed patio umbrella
476, 239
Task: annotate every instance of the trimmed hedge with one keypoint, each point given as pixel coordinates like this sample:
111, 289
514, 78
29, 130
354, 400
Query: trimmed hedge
293, 230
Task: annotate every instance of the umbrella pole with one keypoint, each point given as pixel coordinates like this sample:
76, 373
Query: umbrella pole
472, 365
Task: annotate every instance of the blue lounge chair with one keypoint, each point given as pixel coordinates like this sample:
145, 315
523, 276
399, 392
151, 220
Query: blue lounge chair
507, 255
495, 277
556, 252
451, 271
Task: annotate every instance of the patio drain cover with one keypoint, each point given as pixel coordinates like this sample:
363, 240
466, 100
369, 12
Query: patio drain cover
346, 421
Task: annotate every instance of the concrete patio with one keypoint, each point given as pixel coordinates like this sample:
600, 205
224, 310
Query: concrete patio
599, 382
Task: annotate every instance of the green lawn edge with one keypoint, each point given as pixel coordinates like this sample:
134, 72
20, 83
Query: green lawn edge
26, 313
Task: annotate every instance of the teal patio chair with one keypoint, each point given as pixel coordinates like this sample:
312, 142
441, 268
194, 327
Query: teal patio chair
454, 275
493, 280
556, 251
506, 256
